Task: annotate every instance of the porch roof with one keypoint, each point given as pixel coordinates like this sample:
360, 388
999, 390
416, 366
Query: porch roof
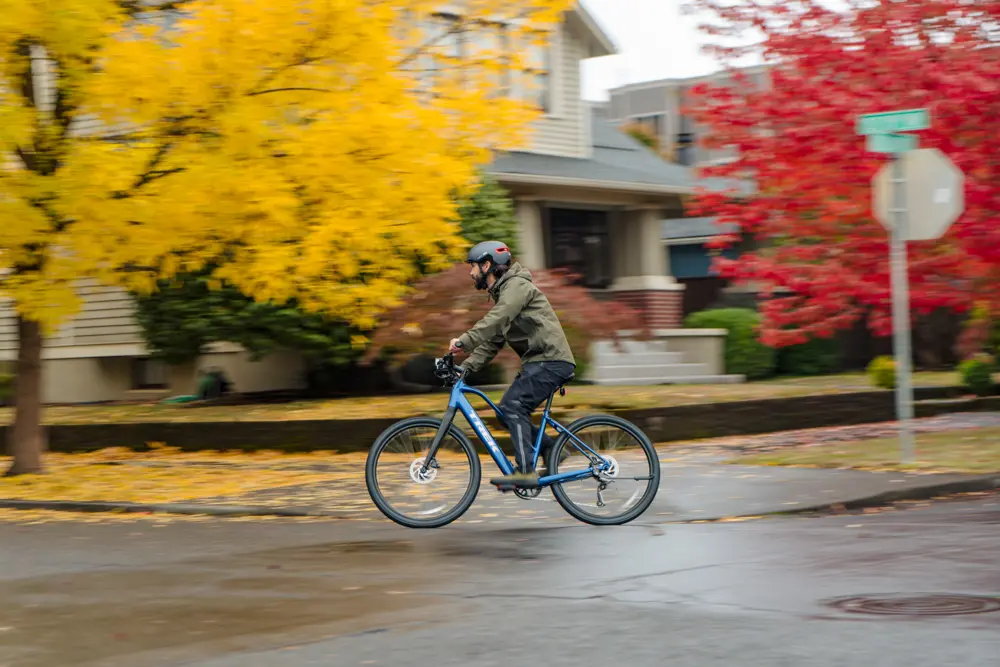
617, 162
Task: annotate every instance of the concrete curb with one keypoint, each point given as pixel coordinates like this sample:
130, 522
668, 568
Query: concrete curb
158, 508
981, 483
989, 482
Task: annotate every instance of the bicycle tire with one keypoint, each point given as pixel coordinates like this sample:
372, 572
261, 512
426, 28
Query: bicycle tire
371, 477
651, 456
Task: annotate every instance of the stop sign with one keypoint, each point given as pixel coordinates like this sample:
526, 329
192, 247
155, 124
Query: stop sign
934, 193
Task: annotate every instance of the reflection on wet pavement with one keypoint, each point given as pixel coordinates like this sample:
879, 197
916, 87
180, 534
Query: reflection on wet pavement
230, 593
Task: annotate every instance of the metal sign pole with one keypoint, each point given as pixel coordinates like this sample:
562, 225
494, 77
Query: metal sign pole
901, 311
918, 210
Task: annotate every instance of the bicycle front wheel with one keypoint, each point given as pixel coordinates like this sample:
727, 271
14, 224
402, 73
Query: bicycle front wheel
416, 499
624, 491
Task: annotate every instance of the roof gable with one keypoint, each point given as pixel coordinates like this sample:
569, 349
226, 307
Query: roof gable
597, 41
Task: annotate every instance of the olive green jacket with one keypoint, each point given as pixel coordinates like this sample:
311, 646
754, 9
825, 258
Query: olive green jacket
523, 318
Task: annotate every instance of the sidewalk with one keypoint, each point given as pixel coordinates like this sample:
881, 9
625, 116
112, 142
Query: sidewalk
689, 491
696, 486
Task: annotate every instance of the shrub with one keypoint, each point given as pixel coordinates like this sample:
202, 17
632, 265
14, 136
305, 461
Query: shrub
819, 356
882, 371
643, 134
488, 214
445, 305
976, 374
745, 354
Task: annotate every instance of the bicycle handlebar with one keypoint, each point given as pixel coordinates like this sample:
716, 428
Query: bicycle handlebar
445, 369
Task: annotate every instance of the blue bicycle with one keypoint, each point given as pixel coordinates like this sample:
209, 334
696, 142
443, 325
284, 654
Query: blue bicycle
437, 472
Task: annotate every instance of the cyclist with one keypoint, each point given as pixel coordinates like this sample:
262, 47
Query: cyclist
523, 318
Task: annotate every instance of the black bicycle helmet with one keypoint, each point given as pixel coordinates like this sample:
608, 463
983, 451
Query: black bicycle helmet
493, 251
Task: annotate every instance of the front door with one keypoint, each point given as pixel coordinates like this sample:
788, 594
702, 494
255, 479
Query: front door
580, 242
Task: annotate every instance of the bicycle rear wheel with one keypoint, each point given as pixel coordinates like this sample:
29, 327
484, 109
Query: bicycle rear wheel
631, 483
422, 500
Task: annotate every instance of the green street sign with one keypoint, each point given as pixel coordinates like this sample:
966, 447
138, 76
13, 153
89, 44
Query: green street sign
890, 143
889, 122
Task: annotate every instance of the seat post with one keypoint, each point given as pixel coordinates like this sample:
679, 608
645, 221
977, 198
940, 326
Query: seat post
548, 403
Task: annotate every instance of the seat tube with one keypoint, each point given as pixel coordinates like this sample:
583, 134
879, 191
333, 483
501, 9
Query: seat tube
536, 454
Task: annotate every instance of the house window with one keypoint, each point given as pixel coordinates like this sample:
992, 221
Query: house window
487, 46
686, 149
537, 72
442, 59
149, 374
580, 243
463, 45
653, 122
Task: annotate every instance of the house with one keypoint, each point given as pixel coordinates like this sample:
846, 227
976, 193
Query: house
659, 106
588, 197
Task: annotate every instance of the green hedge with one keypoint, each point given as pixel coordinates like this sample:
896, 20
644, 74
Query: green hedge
820, 356
977, 374
745, 354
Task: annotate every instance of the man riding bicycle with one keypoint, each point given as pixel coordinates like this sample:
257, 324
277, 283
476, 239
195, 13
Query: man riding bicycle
523, 318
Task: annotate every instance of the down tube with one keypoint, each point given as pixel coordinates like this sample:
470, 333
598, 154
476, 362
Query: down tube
484, 435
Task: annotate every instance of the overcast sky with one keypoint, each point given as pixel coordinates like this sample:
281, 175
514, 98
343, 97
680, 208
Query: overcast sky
654, 42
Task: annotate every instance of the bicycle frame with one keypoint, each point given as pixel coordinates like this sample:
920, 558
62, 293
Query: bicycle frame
458, 402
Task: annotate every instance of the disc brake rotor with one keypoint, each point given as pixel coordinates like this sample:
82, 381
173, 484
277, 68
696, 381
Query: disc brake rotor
425, 477
613, 468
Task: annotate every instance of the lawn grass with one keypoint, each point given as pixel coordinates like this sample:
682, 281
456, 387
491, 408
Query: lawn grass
579, 399
964, 450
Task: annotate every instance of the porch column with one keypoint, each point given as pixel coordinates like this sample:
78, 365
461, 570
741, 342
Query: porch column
646, 283
621, 244
531, 241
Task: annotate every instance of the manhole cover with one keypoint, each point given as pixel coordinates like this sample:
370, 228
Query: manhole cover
917, 604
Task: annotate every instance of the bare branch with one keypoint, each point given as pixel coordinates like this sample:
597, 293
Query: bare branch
302, 58
289, 89
457, 27
151, 173
27, 158
134, 7
459, 24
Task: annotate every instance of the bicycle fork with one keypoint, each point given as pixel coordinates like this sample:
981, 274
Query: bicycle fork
446, 421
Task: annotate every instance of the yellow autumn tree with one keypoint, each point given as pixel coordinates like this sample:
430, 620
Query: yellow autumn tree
309, 148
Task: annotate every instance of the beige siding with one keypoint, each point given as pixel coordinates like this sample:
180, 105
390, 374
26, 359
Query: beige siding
8, 327
564, 132
110, 378
85, 380
283, 369
106, 316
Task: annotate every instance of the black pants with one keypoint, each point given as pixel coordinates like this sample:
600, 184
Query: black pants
531, 388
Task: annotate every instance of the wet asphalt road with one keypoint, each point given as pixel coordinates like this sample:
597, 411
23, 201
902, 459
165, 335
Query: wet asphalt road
249, 594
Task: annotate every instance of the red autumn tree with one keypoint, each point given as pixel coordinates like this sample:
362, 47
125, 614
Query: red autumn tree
820, 255
445, 305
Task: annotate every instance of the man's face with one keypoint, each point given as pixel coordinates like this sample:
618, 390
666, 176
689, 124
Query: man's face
479, 274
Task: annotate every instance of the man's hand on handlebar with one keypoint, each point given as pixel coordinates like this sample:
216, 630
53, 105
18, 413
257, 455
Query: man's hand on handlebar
455, 346
446, 369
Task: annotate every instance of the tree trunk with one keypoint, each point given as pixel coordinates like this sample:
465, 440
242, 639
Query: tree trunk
26, 440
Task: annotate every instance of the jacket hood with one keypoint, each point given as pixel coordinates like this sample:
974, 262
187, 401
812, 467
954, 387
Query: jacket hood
515, 270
